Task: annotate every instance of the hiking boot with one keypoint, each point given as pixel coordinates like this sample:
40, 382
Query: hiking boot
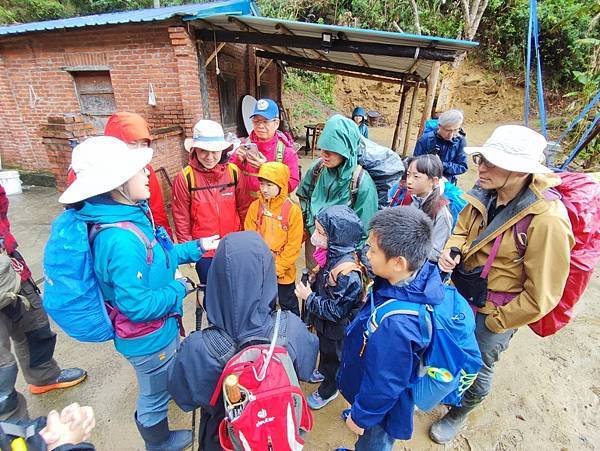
316, 377
160, 438
447, 428
67, 378
315, 401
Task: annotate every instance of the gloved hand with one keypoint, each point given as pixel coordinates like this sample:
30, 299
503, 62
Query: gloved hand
187, 284
209, 243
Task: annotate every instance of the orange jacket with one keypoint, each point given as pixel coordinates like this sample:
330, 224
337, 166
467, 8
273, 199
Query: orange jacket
265, 217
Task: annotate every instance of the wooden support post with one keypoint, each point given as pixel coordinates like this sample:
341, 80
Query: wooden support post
400, 120
411, 119
431, 89
203, 78
262, 71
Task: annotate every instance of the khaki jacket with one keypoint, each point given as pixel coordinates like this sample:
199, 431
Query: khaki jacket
546, 260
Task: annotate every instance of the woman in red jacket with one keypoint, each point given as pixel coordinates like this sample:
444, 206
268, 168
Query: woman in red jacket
206, 192
132, 129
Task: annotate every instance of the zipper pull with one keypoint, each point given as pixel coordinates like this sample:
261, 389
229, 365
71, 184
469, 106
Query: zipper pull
269, 444
362, 349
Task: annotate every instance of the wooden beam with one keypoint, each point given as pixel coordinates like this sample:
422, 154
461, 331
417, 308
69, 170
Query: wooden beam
251, 30
262, 71
357, 56
349, 74
214, 53
338, 66
286, 30
338, 45
400, 120
431, 88
411, 118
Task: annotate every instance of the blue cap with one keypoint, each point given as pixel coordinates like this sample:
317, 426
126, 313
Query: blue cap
266, 108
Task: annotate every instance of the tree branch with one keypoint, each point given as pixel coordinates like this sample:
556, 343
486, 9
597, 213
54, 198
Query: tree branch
415, 8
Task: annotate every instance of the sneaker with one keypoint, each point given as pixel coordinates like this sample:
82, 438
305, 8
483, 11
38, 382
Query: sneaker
316, 377
345, 414
315, 401
67, 378
343, 449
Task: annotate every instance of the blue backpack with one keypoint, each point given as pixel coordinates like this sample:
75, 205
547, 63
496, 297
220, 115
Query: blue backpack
451, 361
72, 296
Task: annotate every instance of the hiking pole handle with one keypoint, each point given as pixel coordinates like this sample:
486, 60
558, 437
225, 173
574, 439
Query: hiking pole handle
454, 252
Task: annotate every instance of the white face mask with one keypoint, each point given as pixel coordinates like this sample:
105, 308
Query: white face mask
318, 240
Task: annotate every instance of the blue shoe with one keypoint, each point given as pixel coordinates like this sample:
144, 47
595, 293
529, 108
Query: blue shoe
345, 414
316, 377
343, 449
315, 401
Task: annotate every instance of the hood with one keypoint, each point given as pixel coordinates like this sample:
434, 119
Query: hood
277, 173
341, 135
3, 203
103, 209
359, 111
344, 230
242, 286
127, 127
425, 288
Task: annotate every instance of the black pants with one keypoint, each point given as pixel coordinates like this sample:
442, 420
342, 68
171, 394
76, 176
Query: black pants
287, 297
330, 354
208, 433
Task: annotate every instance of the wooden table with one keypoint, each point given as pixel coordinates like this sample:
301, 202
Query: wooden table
312, 134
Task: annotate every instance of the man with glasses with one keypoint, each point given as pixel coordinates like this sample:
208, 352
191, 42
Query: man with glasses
267, 143
526, 271
448, 143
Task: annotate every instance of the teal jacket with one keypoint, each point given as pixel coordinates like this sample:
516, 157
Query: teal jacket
141, 291
332, 187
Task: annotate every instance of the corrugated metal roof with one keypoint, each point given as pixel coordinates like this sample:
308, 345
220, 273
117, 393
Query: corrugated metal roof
268, 25
230, 7
405, 64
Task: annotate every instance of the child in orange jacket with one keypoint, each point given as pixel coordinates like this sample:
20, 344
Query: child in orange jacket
279, 222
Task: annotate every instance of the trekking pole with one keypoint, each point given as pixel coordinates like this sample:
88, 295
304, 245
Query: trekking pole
198, 317
454, 252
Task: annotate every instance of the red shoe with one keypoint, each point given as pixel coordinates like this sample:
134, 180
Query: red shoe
67, 378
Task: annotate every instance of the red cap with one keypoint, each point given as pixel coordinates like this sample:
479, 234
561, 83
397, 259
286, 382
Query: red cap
128, 127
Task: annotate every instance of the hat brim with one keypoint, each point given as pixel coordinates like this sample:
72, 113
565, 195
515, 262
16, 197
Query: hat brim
86, 186
211, 146
508, 162
268, 117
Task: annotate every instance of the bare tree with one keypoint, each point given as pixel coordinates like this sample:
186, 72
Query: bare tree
473, 12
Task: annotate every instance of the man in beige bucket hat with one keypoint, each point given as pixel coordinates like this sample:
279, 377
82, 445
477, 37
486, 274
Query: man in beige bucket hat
511, 187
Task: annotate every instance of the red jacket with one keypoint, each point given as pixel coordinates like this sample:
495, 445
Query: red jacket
9, 243
269, 150
210, 205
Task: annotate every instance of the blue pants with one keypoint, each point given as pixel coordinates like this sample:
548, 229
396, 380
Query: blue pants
374, 439
152, 371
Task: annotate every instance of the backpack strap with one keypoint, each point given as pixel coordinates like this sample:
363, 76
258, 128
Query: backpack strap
284, 217
357, 176
17, 430
188, 173
126, 225
316, 173
279, 151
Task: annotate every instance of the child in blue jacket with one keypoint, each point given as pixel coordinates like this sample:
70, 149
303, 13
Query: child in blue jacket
376, 377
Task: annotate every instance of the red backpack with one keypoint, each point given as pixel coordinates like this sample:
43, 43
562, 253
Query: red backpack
272, 413
580, 194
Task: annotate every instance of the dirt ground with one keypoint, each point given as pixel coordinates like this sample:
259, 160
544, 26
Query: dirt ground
546, 394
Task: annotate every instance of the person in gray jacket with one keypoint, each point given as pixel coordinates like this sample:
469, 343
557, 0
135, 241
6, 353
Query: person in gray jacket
241, 294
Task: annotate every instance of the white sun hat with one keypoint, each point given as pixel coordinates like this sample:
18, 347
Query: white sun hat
102, 163
207, 135
514, 148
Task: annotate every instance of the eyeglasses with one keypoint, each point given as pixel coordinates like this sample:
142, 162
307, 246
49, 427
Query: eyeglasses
479, 159
261, 122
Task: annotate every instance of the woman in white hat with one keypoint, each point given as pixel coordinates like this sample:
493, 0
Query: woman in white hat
112, 187
206, 193
516, 231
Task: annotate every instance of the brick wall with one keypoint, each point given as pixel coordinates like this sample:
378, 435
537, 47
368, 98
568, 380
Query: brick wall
34, 84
